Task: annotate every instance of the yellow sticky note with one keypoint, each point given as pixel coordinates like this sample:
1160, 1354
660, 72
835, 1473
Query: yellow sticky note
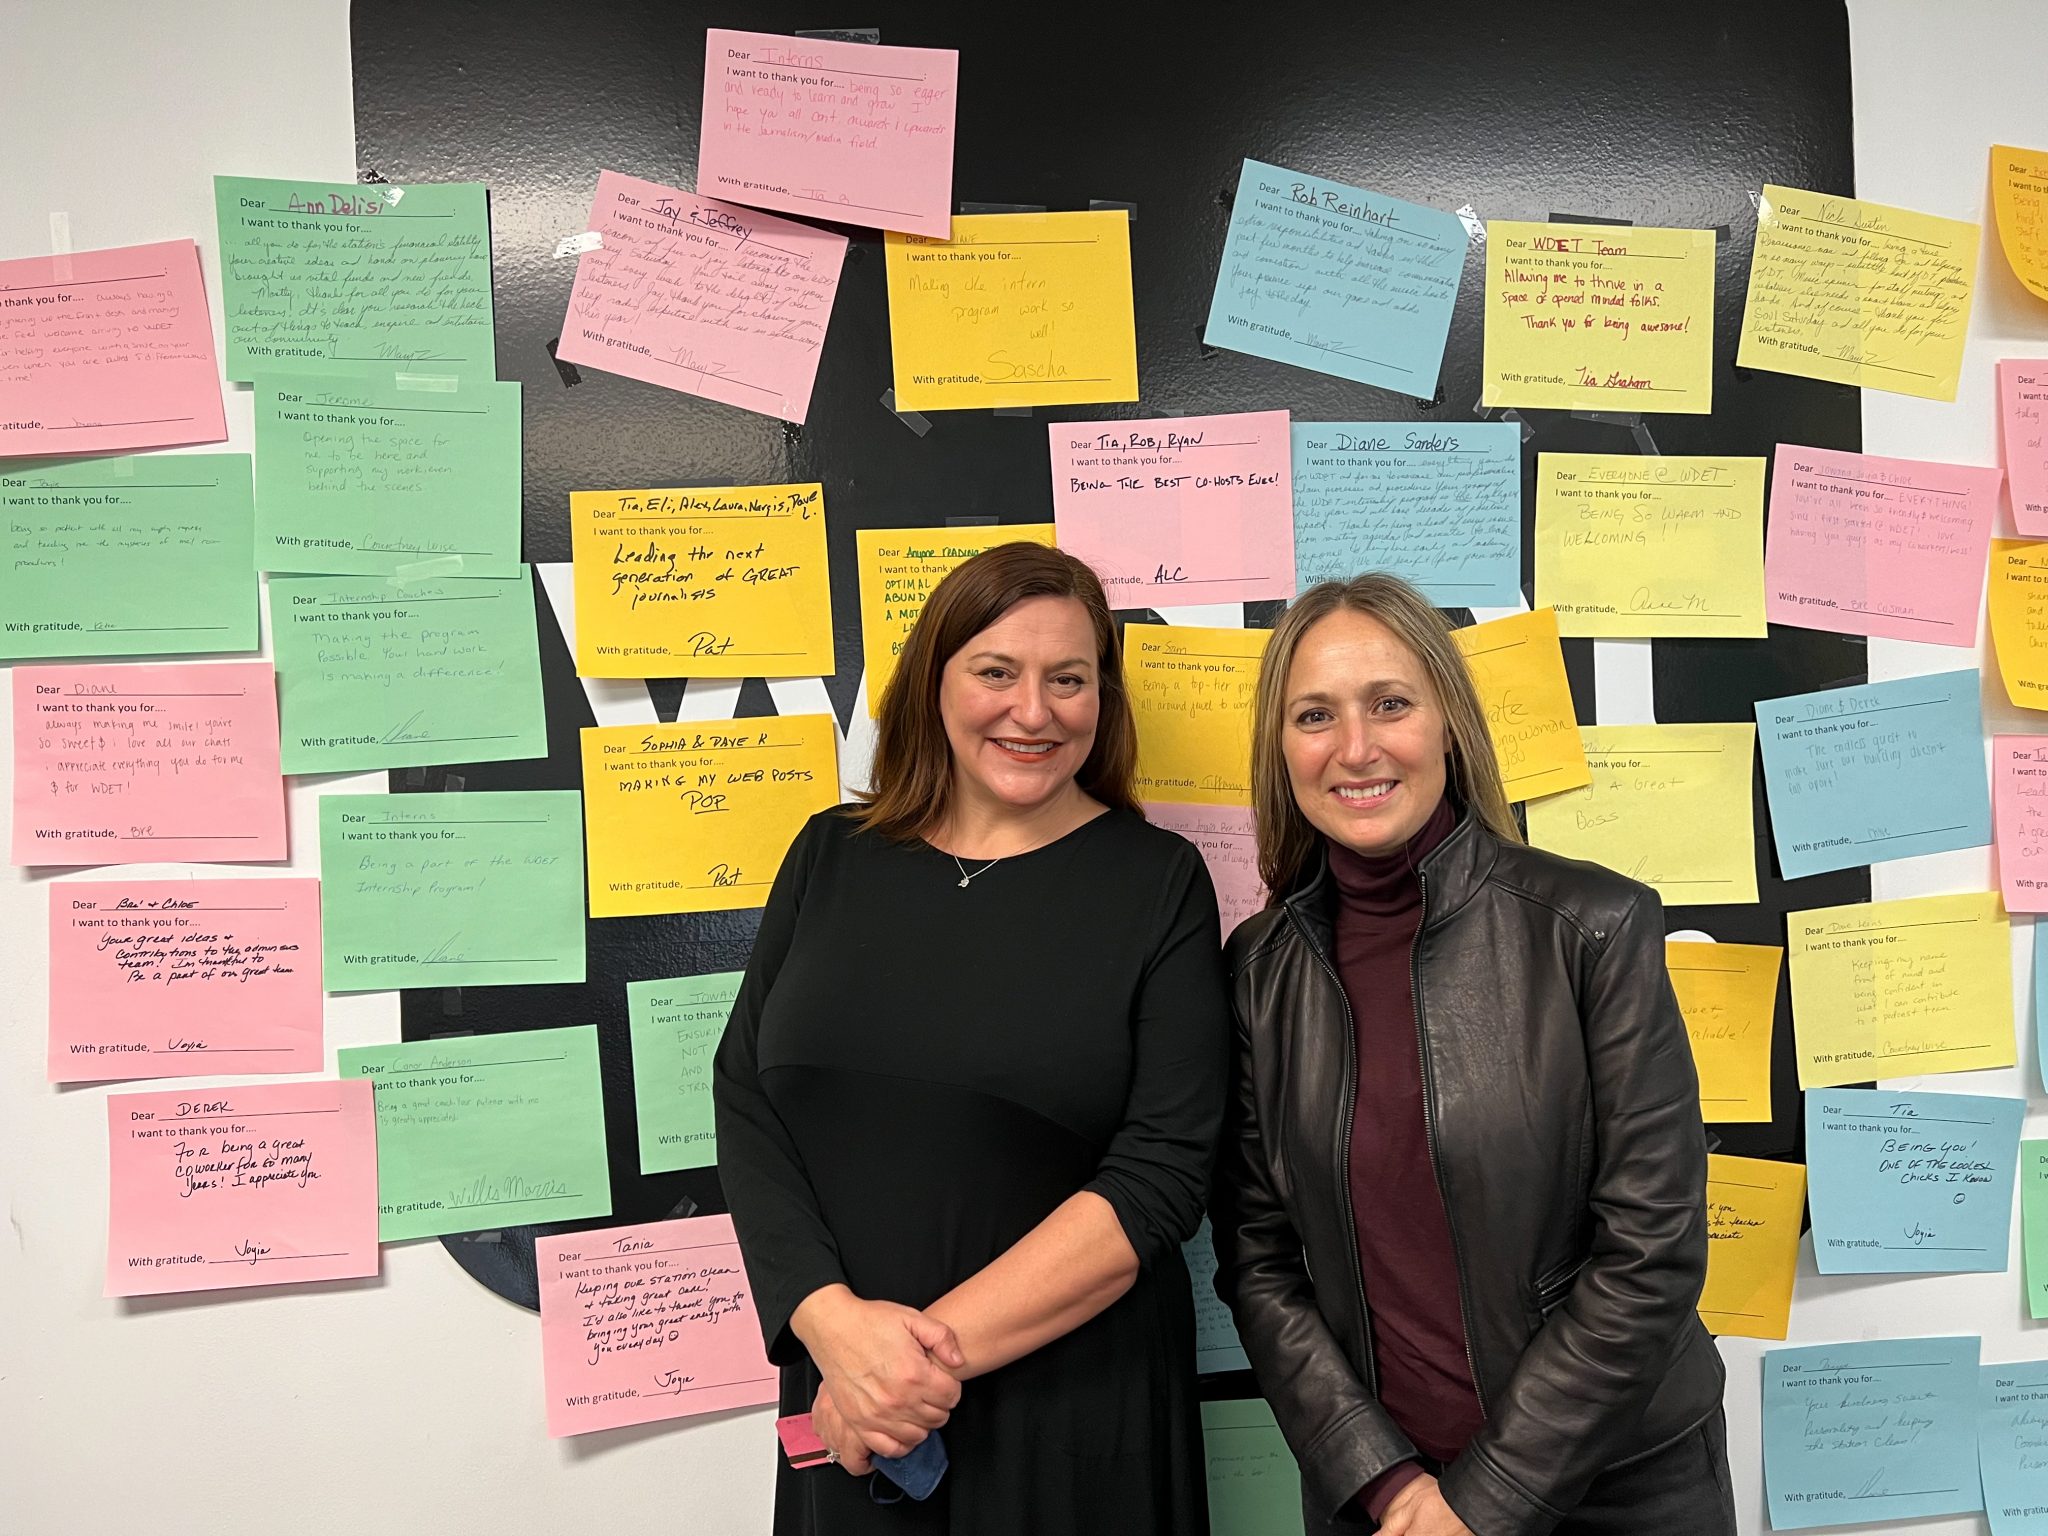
1899, 988
1015, 309
1518, 668
1665, 546
1191, 692
2019, 193
1859, 293
1599, 317
2019, 619
898, 569
1753, 1210
1669, 805
697, 817
1729, 996
715, 582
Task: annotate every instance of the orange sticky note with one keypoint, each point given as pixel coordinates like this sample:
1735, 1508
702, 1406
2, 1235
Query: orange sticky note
2019, 194
1753, 1208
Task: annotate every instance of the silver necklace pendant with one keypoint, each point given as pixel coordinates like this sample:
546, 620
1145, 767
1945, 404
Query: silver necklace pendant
965, 876
963, 881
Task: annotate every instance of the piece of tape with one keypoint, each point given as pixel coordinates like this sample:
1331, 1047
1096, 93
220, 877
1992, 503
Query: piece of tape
1002, 208
453, 784
415, 778
872, 36
392, 195
426, 570
427, 383
1100, 204
1475, 227
451, 1008
60, 247
1202, 341
973, 520
1011, 410
568, 371
1588, 218
1609, 418
576, 245
685, 1206
911, 419
1645, 443
1486, 412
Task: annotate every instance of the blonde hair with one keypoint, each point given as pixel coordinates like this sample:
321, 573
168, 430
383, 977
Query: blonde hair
1288, 843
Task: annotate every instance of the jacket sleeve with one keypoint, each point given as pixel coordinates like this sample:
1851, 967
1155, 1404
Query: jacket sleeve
1598, 1358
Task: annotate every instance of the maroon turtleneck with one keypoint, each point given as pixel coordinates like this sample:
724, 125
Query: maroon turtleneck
1404, 1237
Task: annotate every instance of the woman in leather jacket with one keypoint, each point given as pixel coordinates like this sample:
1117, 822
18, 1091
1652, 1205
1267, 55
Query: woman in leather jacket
1460, 1212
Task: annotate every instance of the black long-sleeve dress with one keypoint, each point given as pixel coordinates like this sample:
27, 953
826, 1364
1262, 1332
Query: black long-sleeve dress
915, 1075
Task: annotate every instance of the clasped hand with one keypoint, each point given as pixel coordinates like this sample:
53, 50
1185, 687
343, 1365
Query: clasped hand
885, 1370
1419, 1510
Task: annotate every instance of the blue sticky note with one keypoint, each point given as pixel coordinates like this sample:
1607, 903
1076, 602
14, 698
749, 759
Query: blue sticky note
1880, 771
1337, 279
1216, 1342
2012, 1447
1881, 1430
1438, 505
1910, 1183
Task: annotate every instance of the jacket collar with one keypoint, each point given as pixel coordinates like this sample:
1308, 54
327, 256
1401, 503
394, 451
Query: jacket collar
1451, 876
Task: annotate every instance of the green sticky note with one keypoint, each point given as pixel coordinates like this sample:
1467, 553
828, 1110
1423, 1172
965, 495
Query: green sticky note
486, 1130
1254, 1480
451, 890
367, 477
676, 1025
2034, 1223
145, 556
376, 675
330, 278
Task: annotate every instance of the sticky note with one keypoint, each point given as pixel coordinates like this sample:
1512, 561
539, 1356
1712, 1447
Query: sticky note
1858, 293
1665, 546
2023, 446
2034, 1224
2019, 619
646, 1322
899, 567
452, 890
1225, 837
106, 351
856, 133
689, 818
1217, 1347
333, 278
1338, 279
2009, 1443
1254, 1480
165, 978
1897, 988
1865, 545
128, 557
494, 1130
2019, 194
2019, 792
1729, 996
1753, 1214
703, 297
1191, 695
716, 582
1877, 771
1599, 317
1910, 1183
365, 477
1668, 805
1884, 1429
1190, 509
215, 1188
1517, 666
1438, 506
142, 764
676, 1026
1013, 309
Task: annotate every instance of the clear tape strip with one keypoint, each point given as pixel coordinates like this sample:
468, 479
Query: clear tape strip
427, 383
1103, 204
426, 570
576, 245
60, 247
911, 419
1001, 208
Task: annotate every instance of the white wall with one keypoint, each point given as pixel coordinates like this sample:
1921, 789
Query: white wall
413, 1402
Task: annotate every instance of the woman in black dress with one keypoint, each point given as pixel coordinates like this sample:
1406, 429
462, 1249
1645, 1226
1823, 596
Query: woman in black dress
971, 1086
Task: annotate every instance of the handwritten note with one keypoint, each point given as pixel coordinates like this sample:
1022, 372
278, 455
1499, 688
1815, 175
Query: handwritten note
452, 890
1858, 293
2019, 197
1217, 1346
2012, 1446
1439, 506
1338, 279
704, 297
104, 351
1599, 317
1191, 695
332, 278
655, 1321
1188, 509
676, 1026
1863, 545
1668, 546
1229, 845
1729, 996
1753, 1212
1897, 988
2023, 444
1910, 1183
128, 557
718, 582
1668, 805
138, 764
690, 818
899, 567
1014, 309
164, 978
2019, 793
2019, 619
1254, 1480
855, 132
496, 1130
2034, 1224
1517, 665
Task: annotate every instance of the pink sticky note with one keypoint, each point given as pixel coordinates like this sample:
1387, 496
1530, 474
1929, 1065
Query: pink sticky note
1225, 837
211, 1188
709, 298
1189, 509
2023, 410
655, 1321
801, 1446
164, 978
852, 132
133, 765
2019, 811
1863, 545
103, 351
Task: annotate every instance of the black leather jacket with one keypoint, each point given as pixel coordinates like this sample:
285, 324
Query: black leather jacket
1564, 1120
